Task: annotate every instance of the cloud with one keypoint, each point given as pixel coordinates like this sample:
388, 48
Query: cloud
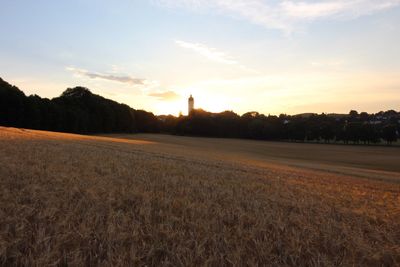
285, 15
168, 95
212, 54
349, 9
208, 52
108, 77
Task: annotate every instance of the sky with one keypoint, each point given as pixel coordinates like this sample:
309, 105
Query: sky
270, 56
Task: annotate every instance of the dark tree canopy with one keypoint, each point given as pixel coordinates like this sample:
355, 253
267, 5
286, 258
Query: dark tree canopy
78, 110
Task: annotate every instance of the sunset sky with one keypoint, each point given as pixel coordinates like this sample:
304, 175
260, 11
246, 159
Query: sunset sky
266, 55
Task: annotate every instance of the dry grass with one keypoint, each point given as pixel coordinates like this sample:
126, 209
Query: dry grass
75, 200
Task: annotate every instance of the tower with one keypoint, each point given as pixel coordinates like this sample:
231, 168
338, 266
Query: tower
190, 104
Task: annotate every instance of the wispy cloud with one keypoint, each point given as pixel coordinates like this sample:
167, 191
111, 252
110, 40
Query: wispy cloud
208, 52
348, 9
108, 77
285, 15
212, 54
167, 95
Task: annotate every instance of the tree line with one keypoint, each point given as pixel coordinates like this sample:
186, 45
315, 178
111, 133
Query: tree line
77, 110
351, 128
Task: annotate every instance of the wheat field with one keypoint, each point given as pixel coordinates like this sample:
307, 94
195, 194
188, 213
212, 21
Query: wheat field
143, 200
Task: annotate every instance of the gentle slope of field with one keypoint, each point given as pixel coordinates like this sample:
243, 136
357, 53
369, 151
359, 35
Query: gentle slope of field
175, 201
363, 161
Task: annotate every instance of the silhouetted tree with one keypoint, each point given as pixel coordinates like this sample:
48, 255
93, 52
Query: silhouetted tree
353, 115
147, 122
12, 105
389, 134
353, 132
327, 131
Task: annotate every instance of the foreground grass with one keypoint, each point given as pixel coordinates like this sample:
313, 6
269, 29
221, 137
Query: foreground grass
74, 200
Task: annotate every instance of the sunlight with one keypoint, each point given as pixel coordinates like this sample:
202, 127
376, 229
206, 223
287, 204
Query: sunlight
206, 98
171, 107
203, 100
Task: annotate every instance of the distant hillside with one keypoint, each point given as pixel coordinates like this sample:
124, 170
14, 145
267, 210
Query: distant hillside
76, 110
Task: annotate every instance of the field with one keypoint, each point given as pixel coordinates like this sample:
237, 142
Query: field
156, 200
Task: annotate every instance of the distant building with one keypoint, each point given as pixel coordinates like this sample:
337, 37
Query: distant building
190, 104
375, 122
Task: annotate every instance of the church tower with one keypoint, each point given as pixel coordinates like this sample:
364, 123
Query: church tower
190, 104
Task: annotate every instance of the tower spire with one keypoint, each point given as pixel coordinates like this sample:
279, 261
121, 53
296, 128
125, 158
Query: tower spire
190, 104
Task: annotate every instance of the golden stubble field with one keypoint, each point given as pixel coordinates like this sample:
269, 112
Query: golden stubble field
71, 200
